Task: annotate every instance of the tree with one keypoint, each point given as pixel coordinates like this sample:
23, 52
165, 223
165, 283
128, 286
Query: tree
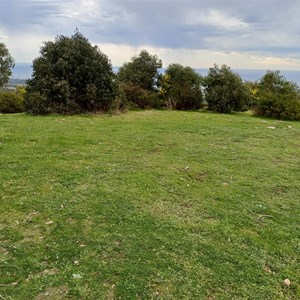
225, 91
277, 97
181, 87
141, 71
6, 65
139, 79
70, 76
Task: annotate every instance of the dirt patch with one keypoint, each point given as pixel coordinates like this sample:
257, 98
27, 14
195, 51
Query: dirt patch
54, 293
31, 234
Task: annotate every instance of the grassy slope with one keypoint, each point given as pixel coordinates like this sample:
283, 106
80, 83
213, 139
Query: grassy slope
149, 205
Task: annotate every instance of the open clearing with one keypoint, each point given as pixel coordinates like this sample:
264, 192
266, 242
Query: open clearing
149, 205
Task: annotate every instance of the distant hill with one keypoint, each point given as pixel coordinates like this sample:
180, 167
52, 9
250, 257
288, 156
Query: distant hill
15, 82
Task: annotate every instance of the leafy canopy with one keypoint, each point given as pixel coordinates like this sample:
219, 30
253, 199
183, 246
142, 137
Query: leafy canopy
225, 91
141, 71
6, 65
181, 87
139, 79
278, 97
70, 76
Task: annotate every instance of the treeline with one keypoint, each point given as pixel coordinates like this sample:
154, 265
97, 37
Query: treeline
71, 76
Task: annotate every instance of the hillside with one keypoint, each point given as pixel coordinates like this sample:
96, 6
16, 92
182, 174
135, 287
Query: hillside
149, 205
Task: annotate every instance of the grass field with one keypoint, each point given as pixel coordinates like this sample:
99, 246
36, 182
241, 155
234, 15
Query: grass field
149, 205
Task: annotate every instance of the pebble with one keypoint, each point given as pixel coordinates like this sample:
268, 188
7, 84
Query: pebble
287, 282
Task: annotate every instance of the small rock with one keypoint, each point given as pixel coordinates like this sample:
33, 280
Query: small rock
290, 127
287, 282
267, 269
76, 262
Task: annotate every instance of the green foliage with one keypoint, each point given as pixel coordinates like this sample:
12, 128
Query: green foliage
37, 104
119, 104
181, 88
6, 65
277, 97
139, 79
252, 86
11, 102
225, 91
141, 97
70, 76
142, 71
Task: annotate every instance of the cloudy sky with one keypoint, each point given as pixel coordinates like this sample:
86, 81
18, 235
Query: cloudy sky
249, 34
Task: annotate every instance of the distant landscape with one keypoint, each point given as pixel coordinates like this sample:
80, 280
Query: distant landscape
24, 70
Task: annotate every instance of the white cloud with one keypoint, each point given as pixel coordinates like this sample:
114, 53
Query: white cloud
26, 47
243, 34
87, 9
217, 19
198, 58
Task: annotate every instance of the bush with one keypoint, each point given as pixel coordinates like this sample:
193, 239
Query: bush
70, 76
282, 107
225, 91
139, 79
37, 104
11, 102
277, 97
141, 97
181, 88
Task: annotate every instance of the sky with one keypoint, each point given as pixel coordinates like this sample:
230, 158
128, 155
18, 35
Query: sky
244, 34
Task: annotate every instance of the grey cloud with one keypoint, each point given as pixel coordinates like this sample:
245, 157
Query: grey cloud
225, 25
257, 25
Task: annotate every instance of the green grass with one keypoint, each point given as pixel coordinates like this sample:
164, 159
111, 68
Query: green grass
149, 205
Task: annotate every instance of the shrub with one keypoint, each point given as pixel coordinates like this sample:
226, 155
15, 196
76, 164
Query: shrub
139, 80
225, 91
285, 107
141, 97
277, 97
11, 102
181, 88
